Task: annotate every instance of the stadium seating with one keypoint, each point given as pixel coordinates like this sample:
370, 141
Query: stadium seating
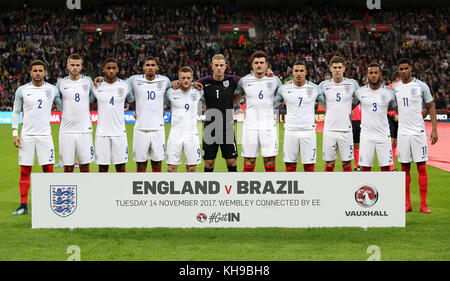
189, 36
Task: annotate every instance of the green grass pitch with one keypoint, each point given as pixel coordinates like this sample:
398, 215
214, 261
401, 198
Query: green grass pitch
426, 237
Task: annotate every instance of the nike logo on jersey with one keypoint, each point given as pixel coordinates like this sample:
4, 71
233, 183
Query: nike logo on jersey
206, 85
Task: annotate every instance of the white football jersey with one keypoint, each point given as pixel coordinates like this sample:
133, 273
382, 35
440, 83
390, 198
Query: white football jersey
410, 99
76, 97
111, 106
374, 108
300, 105
259, 97
338, 102
36, 104
150, 97
184, 108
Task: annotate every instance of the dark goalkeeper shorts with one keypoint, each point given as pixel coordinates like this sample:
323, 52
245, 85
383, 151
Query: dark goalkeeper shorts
229, 150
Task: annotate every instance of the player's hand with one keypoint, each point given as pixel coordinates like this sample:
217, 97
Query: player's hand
16, 141
351, 116
269, 73
433, 136
134, 115
97, 81
176, 84
198, 86
395, 117
424, 112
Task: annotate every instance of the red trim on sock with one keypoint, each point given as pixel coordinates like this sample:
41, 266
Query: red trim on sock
347, 168
366, 169
291, 168
386, 168
156, 171
308, 167
270, 168
329, 168
47, 168
249, 168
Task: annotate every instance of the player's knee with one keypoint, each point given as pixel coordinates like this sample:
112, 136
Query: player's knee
171, 168
209, 164
249, 161
191, 168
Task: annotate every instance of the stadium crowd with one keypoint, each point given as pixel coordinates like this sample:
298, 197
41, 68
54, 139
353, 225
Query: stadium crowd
190, 36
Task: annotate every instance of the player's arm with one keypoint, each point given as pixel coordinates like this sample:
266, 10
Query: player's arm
356, 99
17, 108
58, 101
92, 98
239, 94
321, 96
393, 103
202, 97
131, 97
167, 98
278, 98
98, 80
432, 110
428, 99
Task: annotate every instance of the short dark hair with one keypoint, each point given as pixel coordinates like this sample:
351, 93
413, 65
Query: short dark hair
404, 61
74, 57
38, 62
258, 54
337, 59
374, 64
151, 58
186, 69
300, 62
108, 60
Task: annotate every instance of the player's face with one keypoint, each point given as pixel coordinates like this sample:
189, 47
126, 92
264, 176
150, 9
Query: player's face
404, 70
337, 69
111, 69
185, 79
218, 67
299, 73
74, 66
259, 65
38, 73
374, 75
150, 68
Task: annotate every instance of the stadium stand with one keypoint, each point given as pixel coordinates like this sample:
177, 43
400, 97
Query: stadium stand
191, 35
